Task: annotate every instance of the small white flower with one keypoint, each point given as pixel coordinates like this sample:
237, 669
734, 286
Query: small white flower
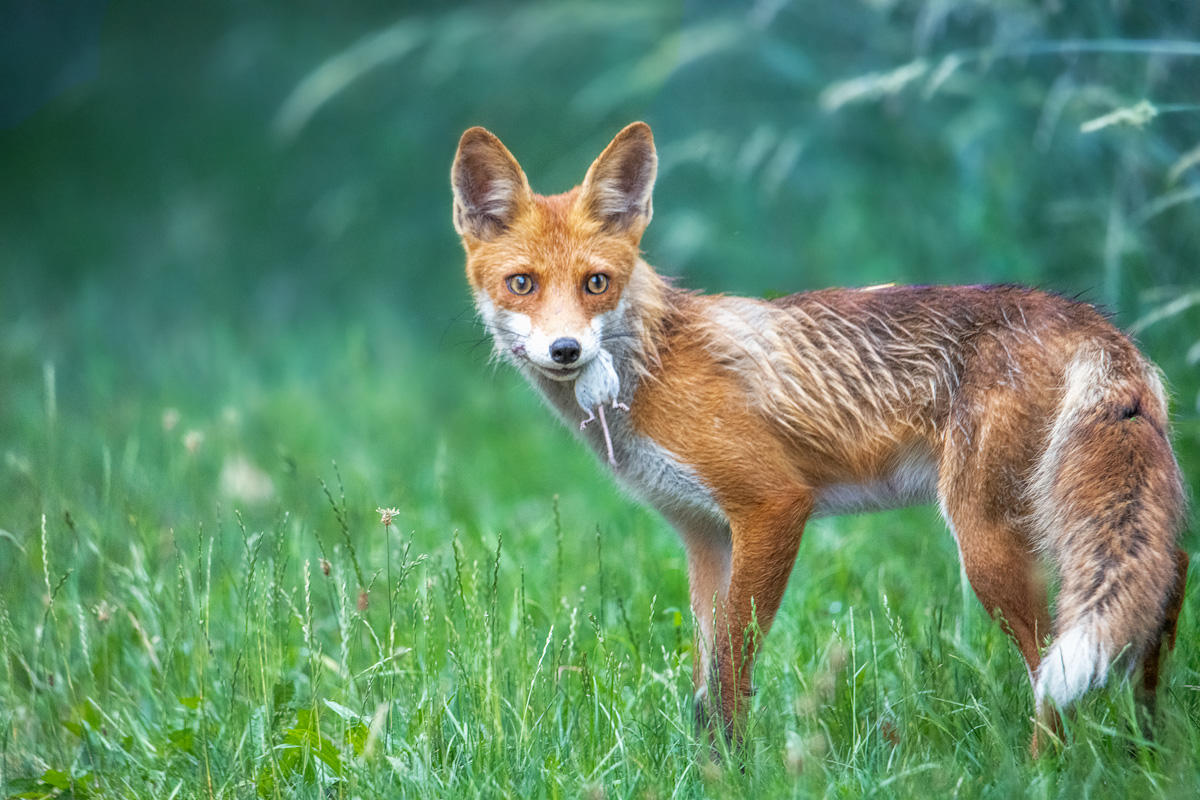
243, 481
192, 440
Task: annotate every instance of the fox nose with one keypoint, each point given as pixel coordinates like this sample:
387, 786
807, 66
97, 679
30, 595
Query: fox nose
565, 350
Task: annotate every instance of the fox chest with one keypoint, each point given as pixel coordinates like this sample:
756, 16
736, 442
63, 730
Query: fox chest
643, 467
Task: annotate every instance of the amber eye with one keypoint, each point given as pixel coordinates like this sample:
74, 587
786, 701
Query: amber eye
597, 284
520, 284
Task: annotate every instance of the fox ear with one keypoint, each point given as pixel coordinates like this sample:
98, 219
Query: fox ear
618, 185
489, 186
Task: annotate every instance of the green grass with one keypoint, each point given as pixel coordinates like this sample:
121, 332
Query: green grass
519, 630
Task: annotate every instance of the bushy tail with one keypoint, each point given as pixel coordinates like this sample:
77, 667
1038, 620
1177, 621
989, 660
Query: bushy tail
1109, 501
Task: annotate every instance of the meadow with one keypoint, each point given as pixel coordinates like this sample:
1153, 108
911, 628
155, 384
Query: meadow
272, 526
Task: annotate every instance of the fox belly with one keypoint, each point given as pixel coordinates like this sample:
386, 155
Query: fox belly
912, 481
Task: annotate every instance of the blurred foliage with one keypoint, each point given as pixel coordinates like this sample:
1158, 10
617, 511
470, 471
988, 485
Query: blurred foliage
172, 183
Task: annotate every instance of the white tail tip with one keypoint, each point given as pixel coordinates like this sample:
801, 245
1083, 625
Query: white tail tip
1073, 664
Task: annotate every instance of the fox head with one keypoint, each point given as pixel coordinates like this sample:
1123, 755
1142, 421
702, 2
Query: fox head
549, 273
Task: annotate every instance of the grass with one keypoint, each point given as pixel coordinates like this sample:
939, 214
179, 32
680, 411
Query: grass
518, 629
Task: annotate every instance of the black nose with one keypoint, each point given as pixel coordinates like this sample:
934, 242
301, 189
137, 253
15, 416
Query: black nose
565, 350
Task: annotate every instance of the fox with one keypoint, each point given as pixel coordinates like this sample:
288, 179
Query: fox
1036, 426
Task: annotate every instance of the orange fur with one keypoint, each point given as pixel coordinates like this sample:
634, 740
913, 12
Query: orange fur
1037, 426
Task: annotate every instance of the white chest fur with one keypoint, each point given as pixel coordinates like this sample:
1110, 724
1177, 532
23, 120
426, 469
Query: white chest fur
643, 467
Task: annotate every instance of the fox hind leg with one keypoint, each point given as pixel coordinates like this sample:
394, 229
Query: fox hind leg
1006, 577
982, 494
1157, 652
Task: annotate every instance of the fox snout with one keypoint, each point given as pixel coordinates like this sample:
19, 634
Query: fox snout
565, 350
556, 351
557, 354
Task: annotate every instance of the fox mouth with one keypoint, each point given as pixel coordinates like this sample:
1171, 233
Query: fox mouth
554, 372
558, 373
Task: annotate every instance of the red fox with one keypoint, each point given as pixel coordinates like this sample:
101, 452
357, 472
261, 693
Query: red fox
1038, 428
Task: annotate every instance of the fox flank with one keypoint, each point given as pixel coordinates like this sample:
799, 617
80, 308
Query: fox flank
1037, 427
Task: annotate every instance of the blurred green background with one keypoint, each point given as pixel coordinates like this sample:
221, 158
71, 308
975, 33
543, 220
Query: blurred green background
261, 169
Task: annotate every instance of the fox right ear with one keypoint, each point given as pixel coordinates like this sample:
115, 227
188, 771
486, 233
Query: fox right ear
617, 187
489, 186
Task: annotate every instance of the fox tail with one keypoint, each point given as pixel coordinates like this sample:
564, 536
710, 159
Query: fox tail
1109, 504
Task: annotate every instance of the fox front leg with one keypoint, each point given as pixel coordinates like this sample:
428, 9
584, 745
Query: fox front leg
764, 538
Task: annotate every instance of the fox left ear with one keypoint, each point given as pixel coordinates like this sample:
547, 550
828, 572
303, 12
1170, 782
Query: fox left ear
489, 186
619, 183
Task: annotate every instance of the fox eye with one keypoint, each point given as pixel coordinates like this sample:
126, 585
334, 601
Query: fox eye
519, 284
597, 284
